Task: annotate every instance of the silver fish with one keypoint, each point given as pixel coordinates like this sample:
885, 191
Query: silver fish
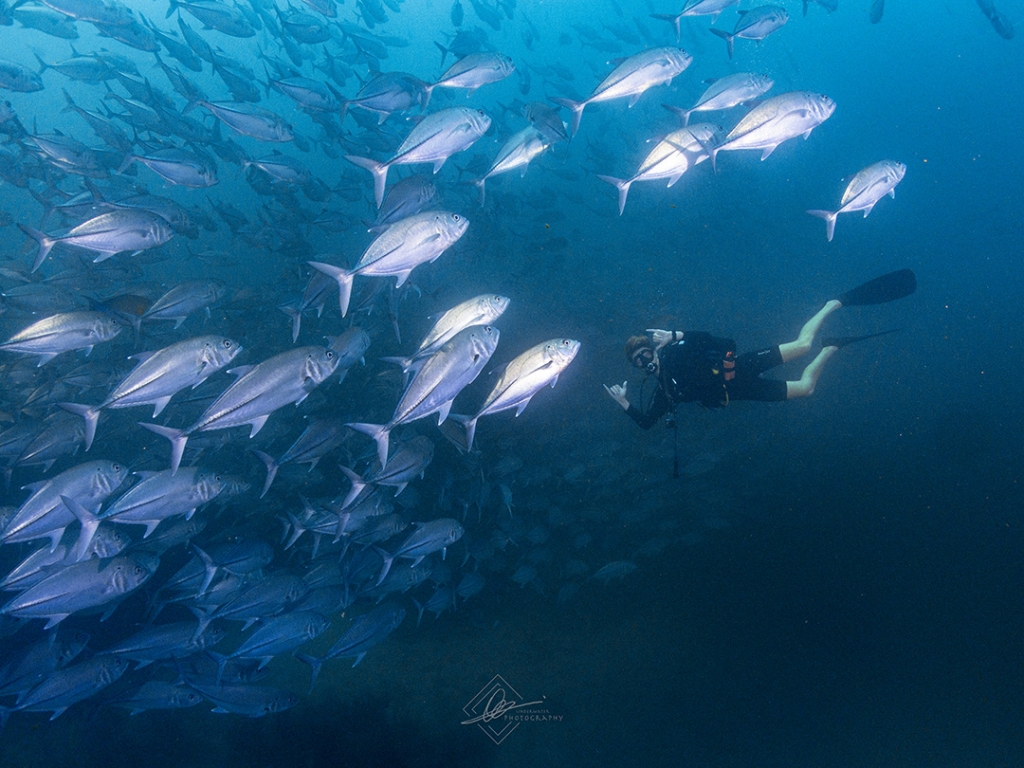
754, 24
522, 378
437, 137
727, 92
250, 120
398, 250
477, 69
160, 375
865, 189
776, 120
63, 332
480, 310
283, 379
655, 66
695, 8
670, 159
446, 373
517, 152
126, 229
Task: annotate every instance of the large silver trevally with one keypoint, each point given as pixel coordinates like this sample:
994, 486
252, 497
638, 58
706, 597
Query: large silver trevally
123, 229
727, 92
517, 152
45, 514
865, 189
63, 332
655, 66
480, 310
474, 70
522, 378
399, 249
446, 373
755, 24
437, 137
695, 8
83, 586
776, 120
283, 379
159, 376
670, 159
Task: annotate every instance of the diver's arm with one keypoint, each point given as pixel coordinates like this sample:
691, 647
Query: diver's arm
661, 338
660, 405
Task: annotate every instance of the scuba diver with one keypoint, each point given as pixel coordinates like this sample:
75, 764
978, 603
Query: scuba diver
694, 366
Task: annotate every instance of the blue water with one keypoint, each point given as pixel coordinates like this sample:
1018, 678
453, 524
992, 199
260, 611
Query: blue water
832, 581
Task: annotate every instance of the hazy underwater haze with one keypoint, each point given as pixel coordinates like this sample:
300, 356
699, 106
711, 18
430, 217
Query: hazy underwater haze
307, 315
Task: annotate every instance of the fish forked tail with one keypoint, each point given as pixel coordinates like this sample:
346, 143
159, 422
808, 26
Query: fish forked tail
727, 36
344, 279
177, 437
671, 18
682, 114
385, 569
379, 171
272, 467
89, 523
620, 184
91, 416
358, 483
46, 244
830, 221
314, 667
296, 315
468, 423
380, 434
577, 111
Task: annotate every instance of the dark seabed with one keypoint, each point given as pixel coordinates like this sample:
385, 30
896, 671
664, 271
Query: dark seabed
831, 581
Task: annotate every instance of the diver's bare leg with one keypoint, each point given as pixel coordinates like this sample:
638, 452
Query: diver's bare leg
802, 344
809, 379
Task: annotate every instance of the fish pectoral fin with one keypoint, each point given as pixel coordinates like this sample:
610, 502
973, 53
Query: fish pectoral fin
438, 164
257, 424
767, 151
892, 193
159, 404
442, 413
522, 406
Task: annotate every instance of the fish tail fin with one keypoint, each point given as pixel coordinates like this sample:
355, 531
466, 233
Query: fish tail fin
386, 568
43, 66
620, 184
172, 6
682, 114
46, 243
577, 111
344, 278
728, 37
128, 160
671, 18
358, 483
177, 437
444, 52
830, 221
468, 423
91, 416
379, 171
272, 467
296, 315
89, 523
222, 662
379, 433
314, 667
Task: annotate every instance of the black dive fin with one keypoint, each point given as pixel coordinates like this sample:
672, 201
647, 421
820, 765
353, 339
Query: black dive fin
845, 341
890, 287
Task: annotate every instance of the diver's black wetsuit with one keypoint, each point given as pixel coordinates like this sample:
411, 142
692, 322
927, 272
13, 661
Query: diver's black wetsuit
702, 368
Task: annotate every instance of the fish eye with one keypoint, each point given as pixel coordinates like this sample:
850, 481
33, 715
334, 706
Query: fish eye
227, 343
116, 467
330, 355
456, 217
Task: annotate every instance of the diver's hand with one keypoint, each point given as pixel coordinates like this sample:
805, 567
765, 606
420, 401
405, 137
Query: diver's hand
617, 393
661, 338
